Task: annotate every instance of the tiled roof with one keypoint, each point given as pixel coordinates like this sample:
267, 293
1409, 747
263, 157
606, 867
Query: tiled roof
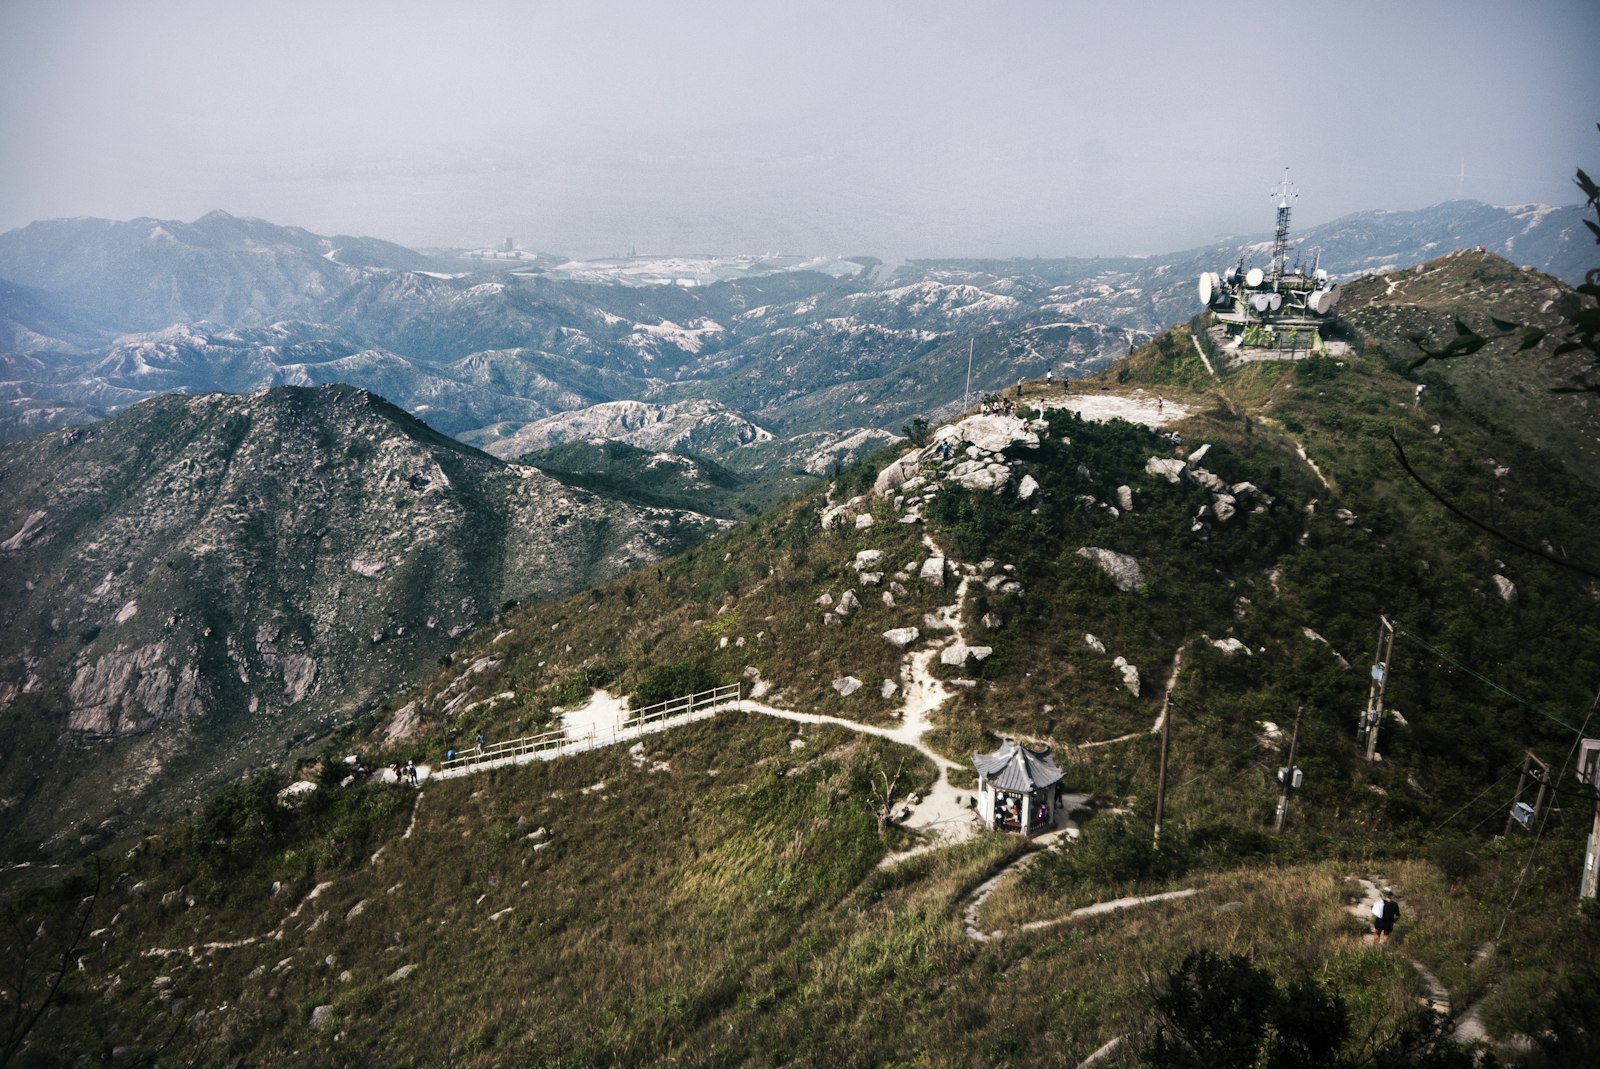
1014, 767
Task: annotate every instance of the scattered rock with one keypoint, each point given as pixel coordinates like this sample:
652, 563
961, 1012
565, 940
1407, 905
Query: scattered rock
992, 621
847, 685
1125, 497
902, 636
296, 792
867, 558
356, 910
1094, 643
321, 1015
848, 603
1230, 646
889, 689
1027, 487
1506, 588
400, 974
932, 571
1130, 675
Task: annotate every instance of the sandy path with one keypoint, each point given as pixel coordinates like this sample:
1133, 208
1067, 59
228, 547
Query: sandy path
1139, 407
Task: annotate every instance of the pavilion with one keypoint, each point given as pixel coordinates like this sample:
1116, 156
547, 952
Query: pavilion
1018, 789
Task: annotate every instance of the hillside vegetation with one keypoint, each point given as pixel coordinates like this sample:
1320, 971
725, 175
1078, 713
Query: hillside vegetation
718, 894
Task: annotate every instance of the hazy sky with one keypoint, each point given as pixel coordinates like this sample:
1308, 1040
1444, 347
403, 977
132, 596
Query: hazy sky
899, 129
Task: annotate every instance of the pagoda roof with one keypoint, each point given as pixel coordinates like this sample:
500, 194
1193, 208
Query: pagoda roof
1014, 767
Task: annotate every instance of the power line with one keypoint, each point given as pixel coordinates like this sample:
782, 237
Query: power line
1440, 826
1402, 632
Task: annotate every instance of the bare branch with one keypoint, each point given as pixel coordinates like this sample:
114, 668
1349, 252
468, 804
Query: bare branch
1582, 569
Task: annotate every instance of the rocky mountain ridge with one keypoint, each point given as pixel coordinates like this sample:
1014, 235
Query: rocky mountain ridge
248, 567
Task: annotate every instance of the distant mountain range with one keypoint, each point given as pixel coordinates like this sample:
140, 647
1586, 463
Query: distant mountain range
96, 315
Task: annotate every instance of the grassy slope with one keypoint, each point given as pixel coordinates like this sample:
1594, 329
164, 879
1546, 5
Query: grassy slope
737, 918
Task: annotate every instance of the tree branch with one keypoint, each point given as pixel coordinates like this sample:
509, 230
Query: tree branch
1581, 569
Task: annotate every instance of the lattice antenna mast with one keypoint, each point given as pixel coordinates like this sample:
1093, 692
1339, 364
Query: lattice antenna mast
1285, 195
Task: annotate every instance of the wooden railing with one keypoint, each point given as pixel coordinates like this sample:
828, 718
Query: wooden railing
704, 703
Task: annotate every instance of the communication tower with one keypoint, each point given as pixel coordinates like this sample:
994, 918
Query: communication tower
1279, 309
1286, 194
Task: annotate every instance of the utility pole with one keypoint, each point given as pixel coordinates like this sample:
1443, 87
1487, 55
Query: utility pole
1161, 779
1289, 776
1521, 812
1372, 716
1589, 773
966, 398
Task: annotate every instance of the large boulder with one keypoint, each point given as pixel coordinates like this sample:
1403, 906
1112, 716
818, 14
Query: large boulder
1164, 467
933, 571
988, 475
1123, 569
895, 475
991, 433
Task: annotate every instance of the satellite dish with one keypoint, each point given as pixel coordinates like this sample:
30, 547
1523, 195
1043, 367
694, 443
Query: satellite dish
1314, 302
1275, 301
1330, 297
1253, 277
1205, 287
1258, 301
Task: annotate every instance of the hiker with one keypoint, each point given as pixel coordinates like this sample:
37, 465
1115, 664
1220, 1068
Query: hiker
411, 773
1385, 912
1049, 377
1019, 389
449, 755
480, 741
395, 768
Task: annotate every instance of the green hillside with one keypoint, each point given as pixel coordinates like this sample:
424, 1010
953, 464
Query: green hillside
719, 894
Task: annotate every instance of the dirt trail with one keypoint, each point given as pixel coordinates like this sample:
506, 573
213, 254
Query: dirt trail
1469, 1026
